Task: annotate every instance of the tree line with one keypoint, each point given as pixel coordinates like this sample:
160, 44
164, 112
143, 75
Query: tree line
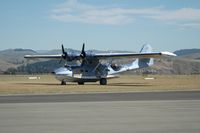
35, 68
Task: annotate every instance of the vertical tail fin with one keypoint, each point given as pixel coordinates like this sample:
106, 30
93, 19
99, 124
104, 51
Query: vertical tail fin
145, 62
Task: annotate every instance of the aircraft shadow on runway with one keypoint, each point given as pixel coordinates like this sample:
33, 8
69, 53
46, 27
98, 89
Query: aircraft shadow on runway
39, 84
129, 84
91, 84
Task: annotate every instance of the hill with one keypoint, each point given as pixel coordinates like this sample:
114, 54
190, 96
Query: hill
15, 56
12, 58
185, 52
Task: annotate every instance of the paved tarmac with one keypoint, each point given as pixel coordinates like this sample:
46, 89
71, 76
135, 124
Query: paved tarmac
137, 96
160, 112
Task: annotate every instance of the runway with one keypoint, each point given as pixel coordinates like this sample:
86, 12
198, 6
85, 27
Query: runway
137, 96
144, 112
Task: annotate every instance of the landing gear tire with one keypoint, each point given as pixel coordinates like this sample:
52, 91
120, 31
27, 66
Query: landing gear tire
103, 81
80, 83
63, 82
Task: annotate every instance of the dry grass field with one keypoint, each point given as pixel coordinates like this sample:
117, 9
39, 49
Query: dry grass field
21, 84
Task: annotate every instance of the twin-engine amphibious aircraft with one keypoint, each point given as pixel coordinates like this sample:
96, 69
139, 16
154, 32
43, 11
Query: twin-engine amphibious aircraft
92, 68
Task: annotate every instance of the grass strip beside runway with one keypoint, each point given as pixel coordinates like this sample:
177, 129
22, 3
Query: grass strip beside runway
42, 84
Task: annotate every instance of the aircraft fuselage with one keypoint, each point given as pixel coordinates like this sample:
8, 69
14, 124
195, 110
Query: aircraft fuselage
88, 71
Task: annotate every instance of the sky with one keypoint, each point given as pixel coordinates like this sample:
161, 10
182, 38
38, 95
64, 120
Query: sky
166, 25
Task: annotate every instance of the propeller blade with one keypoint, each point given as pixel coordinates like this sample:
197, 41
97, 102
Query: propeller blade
63, 49
83, 47
60, 61
83, 54
64, 54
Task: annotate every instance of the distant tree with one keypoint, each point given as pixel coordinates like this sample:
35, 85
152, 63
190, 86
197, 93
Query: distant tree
40, 67
10, 71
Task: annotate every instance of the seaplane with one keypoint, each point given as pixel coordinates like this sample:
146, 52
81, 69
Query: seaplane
99, 67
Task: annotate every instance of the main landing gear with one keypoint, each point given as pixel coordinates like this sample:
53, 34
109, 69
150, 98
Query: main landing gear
103, 81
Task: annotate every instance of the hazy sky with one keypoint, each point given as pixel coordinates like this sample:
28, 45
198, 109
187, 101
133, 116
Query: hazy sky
101, 24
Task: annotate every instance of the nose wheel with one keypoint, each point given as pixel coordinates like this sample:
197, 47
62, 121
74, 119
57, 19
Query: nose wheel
63, 82
80, 83
103, 81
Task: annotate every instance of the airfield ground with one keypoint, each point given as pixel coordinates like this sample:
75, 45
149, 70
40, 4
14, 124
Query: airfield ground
175, 111
42, 84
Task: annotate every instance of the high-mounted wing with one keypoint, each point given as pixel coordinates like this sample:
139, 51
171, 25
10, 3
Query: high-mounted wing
134, 55
144, 53
43, 56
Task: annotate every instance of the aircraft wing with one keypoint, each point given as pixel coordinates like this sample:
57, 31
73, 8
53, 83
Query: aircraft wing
106, 56
43, 56
70, 57
134, 55
145, 52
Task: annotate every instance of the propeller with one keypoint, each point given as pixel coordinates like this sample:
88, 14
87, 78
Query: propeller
64, 54
66, 57
83, 53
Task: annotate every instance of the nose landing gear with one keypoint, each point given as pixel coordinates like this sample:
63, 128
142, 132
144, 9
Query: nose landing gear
63, 82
